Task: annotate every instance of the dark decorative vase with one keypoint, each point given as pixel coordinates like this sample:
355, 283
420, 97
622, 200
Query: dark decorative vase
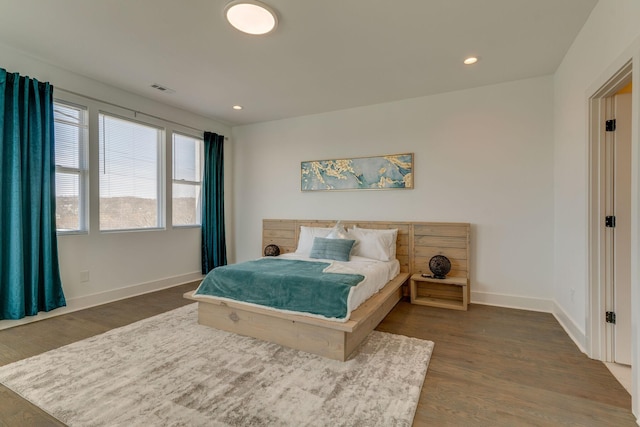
439, 266
271, 250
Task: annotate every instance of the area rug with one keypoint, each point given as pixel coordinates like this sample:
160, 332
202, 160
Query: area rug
168, 370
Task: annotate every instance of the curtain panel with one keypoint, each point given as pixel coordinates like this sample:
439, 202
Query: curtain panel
29, 270
214, 250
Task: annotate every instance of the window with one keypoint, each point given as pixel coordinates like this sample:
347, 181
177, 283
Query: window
187, 179
71, 159
129, 174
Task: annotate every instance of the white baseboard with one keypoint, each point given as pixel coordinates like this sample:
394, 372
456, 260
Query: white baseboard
577, 335
512, 301
87, 301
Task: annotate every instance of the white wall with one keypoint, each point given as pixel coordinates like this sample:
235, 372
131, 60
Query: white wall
605, 43
609, 31
119, 264
482, 156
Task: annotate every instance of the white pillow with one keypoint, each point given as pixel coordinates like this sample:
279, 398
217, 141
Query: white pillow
307, 234
338, 232
374, 244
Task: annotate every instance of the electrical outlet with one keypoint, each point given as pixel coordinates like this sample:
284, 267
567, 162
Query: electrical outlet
84, 276
573, 293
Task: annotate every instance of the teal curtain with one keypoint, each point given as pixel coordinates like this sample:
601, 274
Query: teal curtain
214, 249
29, 271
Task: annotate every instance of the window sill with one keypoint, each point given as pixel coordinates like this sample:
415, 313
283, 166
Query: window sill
186, 226
71, 233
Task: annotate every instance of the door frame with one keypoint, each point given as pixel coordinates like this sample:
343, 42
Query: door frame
599, 334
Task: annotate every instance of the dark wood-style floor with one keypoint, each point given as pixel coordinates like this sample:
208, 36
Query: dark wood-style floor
495, 366
491, 366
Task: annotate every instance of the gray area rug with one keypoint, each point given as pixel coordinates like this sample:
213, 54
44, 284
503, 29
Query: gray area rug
169, 371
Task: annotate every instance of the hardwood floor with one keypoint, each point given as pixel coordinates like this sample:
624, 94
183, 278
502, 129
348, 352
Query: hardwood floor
491, 366
494, 366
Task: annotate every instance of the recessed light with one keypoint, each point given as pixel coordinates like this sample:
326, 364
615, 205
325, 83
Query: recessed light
470, 60
237, 107
251, 16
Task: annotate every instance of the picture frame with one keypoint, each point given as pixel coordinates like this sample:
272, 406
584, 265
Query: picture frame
393, 171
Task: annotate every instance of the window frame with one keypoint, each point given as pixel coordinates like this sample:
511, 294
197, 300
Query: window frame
160, 172
198, 224
82, 171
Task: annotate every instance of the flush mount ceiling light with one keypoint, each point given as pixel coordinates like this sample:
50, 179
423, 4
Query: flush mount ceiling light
237, 107
251, 17
470, 60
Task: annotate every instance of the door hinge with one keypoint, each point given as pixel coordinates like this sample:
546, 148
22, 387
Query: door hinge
610, 221
610, 317
610, 125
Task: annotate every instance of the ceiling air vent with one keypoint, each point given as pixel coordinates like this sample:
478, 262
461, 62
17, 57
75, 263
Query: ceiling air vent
162, 88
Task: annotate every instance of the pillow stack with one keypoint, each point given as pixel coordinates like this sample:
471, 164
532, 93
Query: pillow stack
307, 235
339, 244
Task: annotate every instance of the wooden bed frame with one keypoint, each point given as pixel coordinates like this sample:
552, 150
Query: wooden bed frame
417, 243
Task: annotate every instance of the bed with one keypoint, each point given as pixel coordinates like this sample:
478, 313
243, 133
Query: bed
336, 338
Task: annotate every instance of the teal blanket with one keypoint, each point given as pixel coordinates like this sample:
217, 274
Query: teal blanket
283, 284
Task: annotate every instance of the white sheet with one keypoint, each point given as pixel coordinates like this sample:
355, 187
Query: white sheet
376, 275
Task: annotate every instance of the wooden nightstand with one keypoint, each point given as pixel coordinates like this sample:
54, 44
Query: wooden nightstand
451, 292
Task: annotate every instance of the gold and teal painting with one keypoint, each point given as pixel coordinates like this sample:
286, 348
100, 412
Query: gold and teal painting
381, 172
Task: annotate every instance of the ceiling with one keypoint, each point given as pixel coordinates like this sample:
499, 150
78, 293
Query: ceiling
325, 55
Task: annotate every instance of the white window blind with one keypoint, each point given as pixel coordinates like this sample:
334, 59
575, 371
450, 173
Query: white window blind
70, 128
188, 153
129, 174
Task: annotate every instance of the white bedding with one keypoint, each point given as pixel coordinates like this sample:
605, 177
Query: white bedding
376, 275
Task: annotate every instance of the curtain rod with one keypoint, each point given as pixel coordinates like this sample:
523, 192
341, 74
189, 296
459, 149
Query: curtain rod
135, 112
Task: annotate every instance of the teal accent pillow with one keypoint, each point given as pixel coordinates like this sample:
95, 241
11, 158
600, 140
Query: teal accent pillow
337, 249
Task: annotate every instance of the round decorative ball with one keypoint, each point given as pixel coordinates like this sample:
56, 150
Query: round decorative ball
439, 266
271, 250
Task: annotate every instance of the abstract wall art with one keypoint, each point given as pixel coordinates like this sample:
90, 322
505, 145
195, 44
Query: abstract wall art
359, 173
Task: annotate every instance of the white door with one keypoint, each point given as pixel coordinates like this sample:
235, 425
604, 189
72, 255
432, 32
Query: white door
622, 230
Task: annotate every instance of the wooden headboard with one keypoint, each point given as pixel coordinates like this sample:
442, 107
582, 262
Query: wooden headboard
417, 241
